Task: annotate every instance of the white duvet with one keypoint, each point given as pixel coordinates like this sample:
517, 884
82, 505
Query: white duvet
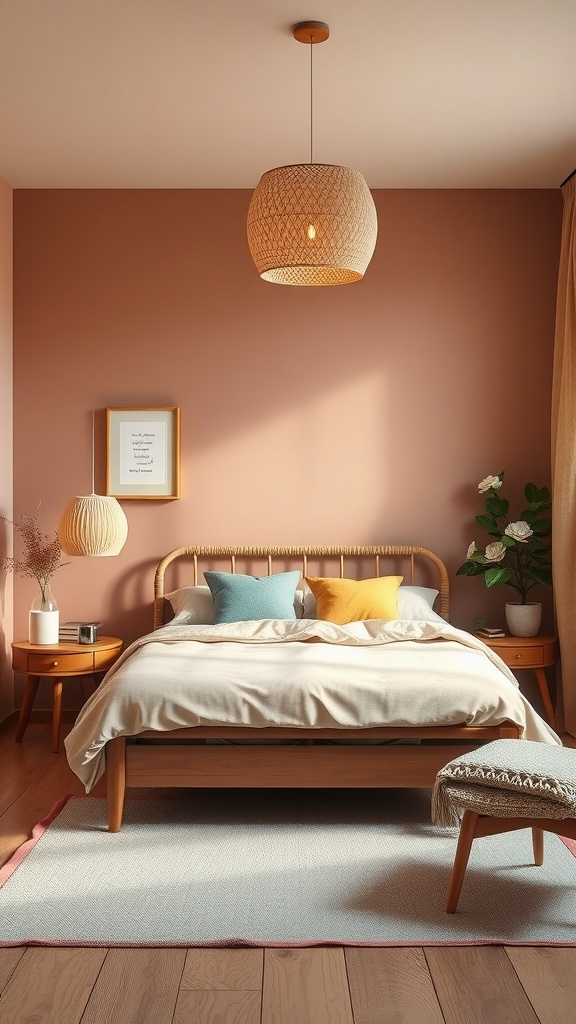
305, 674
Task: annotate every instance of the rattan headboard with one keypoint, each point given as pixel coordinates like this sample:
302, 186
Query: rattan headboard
417, 565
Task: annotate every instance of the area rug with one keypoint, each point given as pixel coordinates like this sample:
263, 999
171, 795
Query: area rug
277, 868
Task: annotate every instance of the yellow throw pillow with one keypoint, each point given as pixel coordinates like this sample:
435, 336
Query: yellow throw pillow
343, 601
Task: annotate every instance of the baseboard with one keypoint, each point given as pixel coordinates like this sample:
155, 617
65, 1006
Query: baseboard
7, 723
42, 716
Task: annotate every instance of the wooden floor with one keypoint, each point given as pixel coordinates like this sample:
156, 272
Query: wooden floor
322, 985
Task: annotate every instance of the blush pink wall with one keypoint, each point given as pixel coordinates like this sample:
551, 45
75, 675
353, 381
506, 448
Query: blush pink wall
6, 443
360, 414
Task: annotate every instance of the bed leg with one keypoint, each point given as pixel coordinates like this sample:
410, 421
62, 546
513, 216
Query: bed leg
115, 781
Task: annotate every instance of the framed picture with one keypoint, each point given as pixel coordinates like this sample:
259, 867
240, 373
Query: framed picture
143, 453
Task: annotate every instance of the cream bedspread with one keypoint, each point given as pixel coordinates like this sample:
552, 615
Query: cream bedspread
304, 674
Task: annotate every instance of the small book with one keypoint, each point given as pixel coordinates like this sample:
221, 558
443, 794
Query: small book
490, 634
76, 625
71, 630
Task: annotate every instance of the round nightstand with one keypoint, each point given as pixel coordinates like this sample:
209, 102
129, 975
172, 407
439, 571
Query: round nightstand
59, 661
534, 652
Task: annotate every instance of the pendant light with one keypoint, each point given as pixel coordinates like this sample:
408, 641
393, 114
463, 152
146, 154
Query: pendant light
92, 524
312, 224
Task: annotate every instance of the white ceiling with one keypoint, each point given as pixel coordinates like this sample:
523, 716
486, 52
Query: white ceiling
178, 94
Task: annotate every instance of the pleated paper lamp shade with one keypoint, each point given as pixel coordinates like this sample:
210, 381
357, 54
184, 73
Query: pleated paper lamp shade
312, 224
93, 525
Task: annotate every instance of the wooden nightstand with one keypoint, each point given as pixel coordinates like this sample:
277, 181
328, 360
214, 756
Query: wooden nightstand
59, 661
535, 652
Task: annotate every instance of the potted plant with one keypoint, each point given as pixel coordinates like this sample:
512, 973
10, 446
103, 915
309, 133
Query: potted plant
41, 559
519, 554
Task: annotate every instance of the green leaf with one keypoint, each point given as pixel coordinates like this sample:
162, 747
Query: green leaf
508, 542
487, 523
539, 551
470, 569
540, 575
537, 494
496, 505
497, 575
542, 528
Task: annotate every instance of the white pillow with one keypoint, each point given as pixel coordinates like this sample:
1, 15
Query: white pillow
413, 603
418, 603
194, 606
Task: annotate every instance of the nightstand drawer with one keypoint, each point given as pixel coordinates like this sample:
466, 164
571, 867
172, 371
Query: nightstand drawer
39, 664
103, 660
526, 657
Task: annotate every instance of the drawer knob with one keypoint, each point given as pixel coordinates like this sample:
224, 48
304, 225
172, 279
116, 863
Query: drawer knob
54, 664
516, 655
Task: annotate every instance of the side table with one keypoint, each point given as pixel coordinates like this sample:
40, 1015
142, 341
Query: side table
59, 661
535, 652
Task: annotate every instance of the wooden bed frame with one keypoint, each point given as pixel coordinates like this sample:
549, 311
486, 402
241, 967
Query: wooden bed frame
184, 759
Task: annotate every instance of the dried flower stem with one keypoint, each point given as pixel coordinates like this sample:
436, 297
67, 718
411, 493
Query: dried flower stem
42, 555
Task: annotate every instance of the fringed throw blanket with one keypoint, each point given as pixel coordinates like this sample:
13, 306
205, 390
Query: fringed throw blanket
507, 779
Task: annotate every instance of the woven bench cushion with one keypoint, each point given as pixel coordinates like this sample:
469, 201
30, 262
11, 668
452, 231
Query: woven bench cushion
507, 778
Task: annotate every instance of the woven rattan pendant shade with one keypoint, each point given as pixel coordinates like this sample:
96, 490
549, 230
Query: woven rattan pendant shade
93, 524
312, 224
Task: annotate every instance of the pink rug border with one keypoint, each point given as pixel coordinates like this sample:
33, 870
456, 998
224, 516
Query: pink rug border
38, 831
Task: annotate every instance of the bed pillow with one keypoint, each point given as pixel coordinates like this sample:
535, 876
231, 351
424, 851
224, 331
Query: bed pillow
341, 600
413, 603
418, 603
192, 605
195, 606
239, 598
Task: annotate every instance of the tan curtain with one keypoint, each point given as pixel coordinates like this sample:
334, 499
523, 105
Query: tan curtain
564, 457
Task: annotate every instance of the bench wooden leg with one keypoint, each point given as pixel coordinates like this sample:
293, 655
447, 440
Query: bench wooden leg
538, 846
467, 832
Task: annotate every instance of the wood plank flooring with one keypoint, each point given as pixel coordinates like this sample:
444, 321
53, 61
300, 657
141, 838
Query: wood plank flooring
317, 985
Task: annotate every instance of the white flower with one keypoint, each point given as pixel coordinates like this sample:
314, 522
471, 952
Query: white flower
518, 531
471, 549
488, 482
495, 552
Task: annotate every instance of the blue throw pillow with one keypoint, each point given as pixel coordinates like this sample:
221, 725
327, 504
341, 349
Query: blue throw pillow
239, 598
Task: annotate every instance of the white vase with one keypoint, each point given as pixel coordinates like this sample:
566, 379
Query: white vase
523, 619
44, 618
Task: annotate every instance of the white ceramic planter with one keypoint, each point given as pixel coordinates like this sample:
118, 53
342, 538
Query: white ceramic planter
523, 619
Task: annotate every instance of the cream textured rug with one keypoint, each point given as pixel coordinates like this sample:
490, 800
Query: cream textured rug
277, 867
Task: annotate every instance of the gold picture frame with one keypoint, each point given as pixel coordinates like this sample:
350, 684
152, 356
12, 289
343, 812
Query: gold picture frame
143, 452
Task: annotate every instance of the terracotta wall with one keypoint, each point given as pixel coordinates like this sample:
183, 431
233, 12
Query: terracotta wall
6, 584
359, 414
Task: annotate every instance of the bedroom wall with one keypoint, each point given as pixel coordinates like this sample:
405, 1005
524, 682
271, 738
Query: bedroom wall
6, 440
360, 414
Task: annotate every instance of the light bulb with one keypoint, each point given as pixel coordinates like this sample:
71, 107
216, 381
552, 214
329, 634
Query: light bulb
311, 231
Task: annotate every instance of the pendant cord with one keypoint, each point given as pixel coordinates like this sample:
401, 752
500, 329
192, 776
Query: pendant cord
311, 100
92, 450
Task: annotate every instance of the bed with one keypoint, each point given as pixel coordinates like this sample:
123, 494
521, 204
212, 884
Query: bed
300, 701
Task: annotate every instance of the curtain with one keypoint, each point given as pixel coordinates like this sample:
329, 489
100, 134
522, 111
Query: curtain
564, 456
